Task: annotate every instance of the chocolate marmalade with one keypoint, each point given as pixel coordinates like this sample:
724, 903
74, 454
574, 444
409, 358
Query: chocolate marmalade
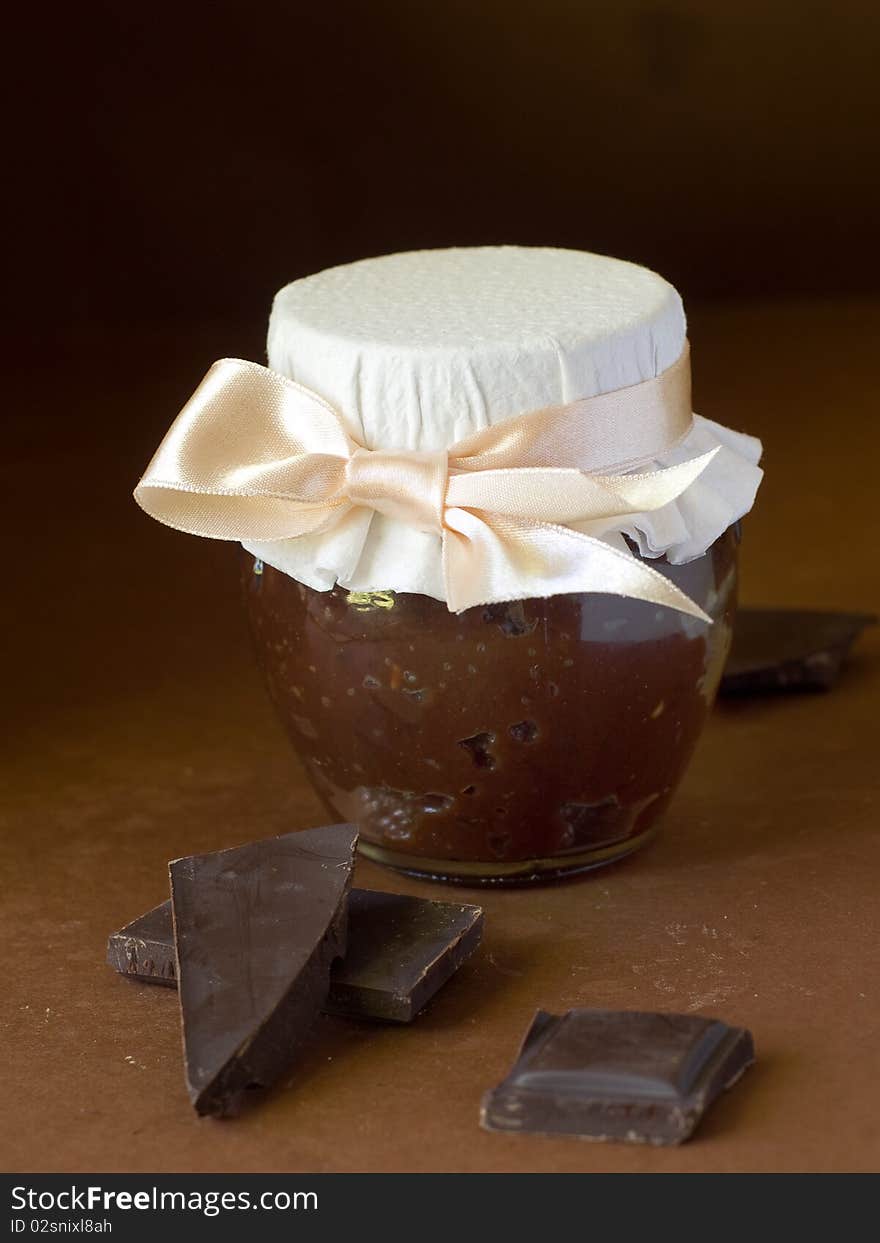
510, 742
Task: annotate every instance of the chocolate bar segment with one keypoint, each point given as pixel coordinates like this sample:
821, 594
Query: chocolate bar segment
401, 951
789, 649
618, 1075
256, 930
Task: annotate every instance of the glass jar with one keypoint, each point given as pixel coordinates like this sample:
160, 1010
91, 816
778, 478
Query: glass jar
510, 743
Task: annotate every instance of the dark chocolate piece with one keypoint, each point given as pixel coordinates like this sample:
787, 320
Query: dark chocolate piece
256, 930
401, 951
144, 949
618, 1075
789, 649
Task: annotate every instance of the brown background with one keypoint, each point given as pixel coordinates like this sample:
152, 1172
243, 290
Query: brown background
179, 167
194, 157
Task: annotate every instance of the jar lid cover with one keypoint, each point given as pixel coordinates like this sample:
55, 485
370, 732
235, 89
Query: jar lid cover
420, 350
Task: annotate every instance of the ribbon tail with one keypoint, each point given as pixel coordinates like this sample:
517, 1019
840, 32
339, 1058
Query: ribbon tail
654, 489
558, 495
489, 558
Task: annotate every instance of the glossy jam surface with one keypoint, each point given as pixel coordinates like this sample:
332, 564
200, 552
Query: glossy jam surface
509, 742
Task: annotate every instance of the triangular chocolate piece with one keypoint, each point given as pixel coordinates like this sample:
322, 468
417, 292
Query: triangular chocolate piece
257, 929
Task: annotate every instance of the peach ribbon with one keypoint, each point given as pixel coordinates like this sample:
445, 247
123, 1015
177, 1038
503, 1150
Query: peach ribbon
254, 456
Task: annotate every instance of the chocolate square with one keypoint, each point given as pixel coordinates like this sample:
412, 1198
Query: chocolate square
618, 1075
401, 951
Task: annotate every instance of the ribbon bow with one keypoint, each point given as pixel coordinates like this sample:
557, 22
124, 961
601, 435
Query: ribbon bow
254, 456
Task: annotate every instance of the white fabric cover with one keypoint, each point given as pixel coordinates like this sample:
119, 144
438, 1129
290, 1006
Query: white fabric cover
419, 350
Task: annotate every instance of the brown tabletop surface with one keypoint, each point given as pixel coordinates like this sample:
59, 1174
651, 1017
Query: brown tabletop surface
138, 731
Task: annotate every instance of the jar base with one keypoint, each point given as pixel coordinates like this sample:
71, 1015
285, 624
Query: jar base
521, 872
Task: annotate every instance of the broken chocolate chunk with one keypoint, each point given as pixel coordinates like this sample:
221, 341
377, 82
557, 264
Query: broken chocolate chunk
401, 951
144, 949
789, 649
618, 1075
257, 929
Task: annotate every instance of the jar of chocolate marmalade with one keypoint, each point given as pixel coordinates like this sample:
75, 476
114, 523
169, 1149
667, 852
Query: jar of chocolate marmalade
489, 551
514, 742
